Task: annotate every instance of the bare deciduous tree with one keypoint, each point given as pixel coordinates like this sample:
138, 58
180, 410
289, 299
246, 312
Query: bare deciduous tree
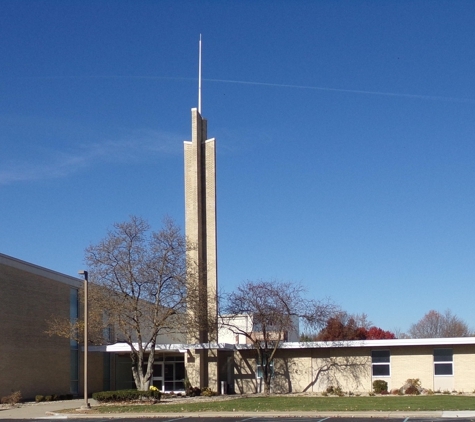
435, 325
138, 286
143, 277
275, 309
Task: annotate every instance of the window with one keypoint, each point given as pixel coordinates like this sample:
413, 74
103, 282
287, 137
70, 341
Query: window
380, 360
260, 369
443, 362
74, 347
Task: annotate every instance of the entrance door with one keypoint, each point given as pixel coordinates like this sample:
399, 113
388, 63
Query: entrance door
169, 373
157, 379
174, 375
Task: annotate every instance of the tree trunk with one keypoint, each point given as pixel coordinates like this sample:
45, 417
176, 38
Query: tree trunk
145, 385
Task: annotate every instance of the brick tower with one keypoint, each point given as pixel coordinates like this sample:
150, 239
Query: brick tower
200, 228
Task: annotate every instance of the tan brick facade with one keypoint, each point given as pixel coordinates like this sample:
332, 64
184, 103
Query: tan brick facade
30, 360
314, 369
200, 227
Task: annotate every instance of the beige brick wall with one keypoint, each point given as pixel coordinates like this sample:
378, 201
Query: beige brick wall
411, 362
30, 360
464, 368
347, 368
307, 370
313, 370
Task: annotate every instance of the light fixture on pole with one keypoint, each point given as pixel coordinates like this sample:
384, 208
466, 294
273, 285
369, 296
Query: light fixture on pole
86, 402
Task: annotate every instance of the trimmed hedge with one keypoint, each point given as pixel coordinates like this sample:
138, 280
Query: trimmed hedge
126, 395
380, 386
39, 398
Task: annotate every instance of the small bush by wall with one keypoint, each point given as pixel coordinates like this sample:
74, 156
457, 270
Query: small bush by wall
379, 386
412, 386
126, 395
207, 392
12, 399
193, 391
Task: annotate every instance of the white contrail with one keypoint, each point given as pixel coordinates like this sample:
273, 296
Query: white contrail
351, 91
230, 81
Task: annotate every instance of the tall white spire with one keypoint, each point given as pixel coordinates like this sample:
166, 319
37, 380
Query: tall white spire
199, 79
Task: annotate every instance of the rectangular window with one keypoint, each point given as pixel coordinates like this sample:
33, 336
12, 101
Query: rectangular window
443, 362
380, 362
74, 347
260, 369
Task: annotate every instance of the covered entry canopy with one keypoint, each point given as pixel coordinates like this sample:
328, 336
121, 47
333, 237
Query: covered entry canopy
169, 368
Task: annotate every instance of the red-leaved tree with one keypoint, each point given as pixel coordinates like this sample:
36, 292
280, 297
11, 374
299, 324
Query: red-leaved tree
351, 327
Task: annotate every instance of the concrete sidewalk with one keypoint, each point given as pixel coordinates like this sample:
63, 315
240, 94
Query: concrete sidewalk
32, 410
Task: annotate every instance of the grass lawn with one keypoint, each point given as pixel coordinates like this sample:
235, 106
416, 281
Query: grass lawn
285, 403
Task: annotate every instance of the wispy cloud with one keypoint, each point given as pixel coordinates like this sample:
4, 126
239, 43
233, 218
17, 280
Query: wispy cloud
136, 146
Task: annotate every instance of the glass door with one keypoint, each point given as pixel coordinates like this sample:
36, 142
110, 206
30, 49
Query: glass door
157, 379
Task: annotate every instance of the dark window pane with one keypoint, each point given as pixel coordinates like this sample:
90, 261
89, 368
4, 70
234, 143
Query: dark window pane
74, 367
379, 356
443, 369
157, 370
158, 384
443, 355
380, 370
259, 371
179, 386
179, 371
73, 304
169, 385
169, 372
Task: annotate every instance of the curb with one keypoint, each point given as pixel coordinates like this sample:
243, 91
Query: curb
239, 414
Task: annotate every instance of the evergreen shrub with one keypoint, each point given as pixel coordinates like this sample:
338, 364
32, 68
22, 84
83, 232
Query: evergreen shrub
379, 386
126, 395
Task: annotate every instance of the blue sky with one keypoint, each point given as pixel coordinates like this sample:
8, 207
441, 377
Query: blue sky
345, 136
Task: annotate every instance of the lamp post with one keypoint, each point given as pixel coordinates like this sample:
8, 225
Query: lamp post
86, 402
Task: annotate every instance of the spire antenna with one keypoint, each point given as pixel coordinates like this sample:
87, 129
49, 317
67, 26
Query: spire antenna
199, 79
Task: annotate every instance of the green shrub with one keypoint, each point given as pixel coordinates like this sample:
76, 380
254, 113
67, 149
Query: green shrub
49, 398
126, 395
334, 390
193, 391
39, 398
379, 386
207, 392
12, 399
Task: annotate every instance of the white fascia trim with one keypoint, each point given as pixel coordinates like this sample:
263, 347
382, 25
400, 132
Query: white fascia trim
181, 348
381, 343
